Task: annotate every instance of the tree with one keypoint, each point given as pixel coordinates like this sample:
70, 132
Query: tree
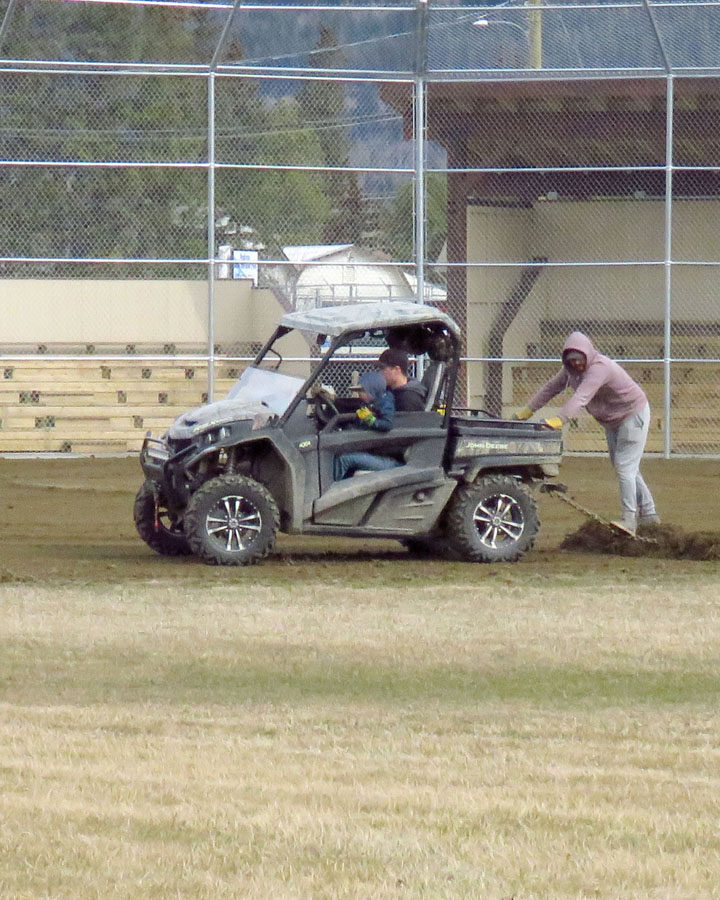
281, 206
322, 102
102, 211
143, 211
398, 221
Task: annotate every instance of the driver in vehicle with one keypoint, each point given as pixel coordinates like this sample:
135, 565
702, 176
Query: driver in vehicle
377, 414
409, 394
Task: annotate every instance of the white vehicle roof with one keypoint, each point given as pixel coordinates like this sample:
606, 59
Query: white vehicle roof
354, 316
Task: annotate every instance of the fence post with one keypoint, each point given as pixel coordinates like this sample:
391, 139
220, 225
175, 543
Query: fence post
419, 114
669, 122
419, 146
211, 238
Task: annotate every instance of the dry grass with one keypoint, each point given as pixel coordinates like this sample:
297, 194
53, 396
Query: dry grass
345, 722
455, 740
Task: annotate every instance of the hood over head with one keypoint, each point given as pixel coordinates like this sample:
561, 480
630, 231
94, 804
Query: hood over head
579, 343
373, 384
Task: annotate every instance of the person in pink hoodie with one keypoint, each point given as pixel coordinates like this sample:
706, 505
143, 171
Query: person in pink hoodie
609, 394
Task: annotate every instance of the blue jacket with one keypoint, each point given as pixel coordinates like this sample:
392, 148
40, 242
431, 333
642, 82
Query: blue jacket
384, 409
382, 403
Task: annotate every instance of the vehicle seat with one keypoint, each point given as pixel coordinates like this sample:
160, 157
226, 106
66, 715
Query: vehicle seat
432, 382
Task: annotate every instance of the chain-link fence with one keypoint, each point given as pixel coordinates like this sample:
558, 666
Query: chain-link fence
176, 175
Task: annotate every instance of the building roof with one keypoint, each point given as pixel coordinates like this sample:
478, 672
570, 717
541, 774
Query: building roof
312, 252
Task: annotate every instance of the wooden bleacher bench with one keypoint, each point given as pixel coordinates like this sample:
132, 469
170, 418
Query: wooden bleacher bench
99, 405
633, 338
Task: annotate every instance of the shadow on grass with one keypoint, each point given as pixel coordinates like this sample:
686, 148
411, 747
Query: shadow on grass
58, 676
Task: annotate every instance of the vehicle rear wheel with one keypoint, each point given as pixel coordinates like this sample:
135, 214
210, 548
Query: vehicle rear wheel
160, 530
231, 521
493, 520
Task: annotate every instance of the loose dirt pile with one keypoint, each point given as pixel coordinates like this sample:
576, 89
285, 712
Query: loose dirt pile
670, 542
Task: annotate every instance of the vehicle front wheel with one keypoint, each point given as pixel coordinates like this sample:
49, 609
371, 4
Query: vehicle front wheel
160, 530
493, 520
231, 521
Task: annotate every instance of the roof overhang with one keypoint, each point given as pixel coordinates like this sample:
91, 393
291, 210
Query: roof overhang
583, 137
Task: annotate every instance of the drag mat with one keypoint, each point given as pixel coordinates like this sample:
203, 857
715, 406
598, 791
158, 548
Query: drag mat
671, 542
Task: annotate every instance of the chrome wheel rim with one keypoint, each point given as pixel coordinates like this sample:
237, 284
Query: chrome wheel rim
233, 522
499, 520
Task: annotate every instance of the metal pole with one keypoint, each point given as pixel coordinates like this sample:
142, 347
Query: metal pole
6, 20
419, 148
669, 127
419, 157
669, 124
420, 187
211, 237
219, 49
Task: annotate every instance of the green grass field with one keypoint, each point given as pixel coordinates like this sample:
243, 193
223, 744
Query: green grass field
344, 721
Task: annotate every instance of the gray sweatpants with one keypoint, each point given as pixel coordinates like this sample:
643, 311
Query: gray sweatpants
626, 443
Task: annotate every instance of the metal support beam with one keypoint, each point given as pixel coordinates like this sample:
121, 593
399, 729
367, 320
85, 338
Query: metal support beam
419, 146
6, 20
222, 40
211, 236
669, 126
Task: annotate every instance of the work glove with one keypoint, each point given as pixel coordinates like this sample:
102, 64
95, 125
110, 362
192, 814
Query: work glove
554, 422
523, 413
366, 416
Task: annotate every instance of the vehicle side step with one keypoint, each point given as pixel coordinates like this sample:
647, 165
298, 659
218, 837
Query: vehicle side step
373, 482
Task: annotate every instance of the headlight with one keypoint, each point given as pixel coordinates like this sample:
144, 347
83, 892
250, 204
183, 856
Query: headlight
216, 434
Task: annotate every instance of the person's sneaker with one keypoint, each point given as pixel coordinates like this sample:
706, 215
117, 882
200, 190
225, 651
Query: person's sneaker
622, 525
650, 519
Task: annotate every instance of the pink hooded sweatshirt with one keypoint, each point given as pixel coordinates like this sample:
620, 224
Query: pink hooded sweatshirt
605, 389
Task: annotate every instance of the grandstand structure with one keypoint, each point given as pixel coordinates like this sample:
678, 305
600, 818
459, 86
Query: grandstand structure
534, 167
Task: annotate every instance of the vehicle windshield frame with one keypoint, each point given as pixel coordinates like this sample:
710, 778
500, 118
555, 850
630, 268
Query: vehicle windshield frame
336, 342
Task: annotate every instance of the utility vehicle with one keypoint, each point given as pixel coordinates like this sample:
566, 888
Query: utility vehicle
228, 475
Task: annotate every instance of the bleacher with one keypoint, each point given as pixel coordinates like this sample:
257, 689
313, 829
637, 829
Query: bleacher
99, 406
105, 405
694, 389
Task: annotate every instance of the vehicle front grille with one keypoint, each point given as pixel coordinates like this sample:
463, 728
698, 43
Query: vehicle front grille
175, 445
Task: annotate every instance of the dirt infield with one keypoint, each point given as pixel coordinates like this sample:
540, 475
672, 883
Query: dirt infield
658, 541
71, 519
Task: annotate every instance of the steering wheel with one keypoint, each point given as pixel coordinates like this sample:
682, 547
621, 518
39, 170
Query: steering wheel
325, 409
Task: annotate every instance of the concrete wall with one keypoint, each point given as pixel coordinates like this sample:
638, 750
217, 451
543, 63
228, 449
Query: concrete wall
36, 311
598, 231
497, 234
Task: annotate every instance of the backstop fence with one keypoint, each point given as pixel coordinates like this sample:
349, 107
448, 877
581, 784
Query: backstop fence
177, 174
